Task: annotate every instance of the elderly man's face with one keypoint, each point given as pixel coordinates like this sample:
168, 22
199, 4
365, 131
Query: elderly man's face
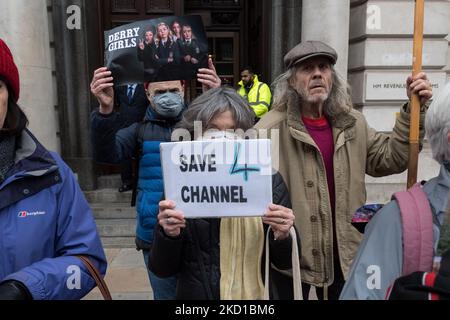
155, 88
3, 102
313, 80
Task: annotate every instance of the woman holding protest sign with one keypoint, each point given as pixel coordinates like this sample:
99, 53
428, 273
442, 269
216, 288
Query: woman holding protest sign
203, 252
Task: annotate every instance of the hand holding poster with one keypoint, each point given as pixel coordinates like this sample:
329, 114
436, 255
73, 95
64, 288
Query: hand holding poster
163, 49
218, 178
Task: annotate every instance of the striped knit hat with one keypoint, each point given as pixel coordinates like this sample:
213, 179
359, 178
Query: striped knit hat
8, 70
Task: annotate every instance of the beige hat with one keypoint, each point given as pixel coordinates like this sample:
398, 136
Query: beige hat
308, 49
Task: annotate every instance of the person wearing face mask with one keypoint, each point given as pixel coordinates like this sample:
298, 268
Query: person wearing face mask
113, 144
202, 251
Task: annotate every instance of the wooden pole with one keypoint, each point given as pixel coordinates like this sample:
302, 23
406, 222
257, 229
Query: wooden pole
415, 100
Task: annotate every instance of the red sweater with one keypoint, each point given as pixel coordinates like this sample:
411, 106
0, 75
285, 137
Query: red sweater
322, 134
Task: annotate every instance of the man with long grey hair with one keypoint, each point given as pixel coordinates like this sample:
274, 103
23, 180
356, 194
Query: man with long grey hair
383, 240
324, 150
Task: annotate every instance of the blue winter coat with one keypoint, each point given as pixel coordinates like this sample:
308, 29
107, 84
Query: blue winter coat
112, 145
45, 221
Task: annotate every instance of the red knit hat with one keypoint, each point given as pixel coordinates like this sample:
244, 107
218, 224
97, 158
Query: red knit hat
8, 70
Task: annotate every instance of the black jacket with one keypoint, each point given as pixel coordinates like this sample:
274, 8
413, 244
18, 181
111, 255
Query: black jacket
148, 56
170, 256
168, 70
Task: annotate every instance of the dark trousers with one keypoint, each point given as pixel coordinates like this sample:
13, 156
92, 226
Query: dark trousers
126, 171
334, 290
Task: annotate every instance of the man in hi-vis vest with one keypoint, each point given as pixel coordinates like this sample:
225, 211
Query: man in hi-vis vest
255, 92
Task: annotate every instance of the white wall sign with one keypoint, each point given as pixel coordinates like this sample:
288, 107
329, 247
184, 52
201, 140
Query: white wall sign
222, 178
392, 85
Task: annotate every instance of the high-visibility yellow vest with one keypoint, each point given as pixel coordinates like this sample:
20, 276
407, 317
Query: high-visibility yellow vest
259, 96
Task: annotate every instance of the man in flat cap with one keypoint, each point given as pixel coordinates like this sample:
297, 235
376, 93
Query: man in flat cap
324, 148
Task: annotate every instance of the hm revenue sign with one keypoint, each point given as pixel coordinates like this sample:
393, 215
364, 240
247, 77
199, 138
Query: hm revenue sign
222, 178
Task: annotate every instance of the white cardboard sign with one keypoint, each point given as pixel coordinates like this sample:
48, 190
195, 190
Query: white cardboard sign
218, 178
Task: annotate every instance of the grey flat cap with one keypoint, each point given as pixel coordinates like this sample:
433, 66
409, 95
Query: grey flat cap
308, 49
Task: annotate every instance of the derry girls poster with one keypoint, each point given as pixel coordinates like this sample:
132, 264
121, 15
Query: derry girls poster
163, 49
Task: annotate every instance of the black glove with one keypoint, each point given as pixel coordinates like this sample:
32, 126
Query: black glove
14, 290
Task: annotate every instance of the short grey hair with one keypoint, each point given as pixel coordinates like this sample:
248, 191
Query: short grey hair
437, 125
339, 101
214, 102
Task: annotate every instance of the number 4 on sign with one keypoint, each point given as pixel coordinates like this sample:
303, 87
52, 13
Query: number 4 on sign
245, 170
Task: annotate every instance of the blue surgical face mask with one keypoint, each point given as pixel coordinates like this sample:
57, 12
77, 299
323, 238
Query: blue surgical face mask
168, 105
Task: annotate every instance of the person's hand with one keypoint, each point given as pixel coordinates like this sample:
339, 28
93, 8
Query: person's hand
187, 58
170, 219
419, 84
141, 44
194, 61
208, 77
281, 219
102, 89
169, 60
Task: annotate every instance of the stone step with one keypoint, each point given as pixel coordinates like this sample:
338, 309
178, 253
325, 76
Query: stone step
112, 181
108, 196
118, 242
116, 227
113, 211
382, 192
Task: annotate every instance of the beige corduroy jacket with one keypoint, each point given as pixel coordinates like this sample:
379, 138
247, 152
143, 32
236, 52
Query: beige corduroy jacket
359, 149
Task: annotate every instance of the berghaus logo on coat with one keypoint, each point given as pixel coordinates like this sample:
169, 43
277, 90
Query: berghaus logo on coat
24, 214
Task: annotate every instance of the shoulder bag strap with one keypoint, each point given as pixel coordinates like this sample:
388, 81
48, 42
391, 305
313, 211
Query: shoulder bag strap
95, 274
296, 275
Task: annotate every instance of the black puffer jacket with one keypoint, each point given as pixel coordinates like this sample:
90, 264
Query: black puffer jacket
170, 256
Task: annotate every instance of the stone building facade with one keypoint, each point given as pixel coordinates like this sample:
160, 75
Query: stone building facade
58, 43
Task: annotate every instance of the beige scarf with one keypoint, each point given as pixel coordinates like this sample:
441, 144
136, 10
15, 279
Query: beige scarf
241, 248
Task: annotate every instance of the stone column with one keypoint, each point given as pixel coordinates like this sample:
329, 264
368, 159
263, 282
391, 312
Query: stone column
24, 26
328, 21
286, 32
74, 51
